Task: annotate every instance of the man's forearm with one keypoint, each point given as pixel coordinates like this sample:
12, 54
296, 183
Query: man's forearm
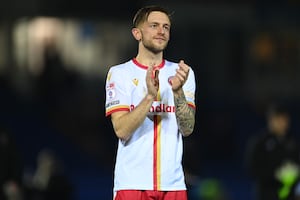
185, 114
126, 124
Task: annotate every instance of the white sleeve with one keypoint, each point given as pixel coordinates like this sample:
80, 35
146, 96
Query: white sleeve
189, 88
117, 91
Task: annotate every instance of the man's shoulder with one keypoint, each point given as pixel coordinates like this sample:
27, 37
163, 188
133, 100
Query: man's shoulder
170, 63
122, 65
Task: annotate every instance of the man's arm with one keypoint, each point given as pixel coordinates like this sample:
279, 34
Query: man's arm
125, 123
184, 113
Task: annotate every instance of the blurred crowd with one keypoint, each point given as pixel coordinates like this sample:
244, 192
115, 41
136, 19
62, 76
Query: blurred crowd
45, 181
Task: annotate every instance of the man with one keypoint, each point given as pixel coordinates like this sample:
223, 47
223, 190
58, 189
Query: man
152, 106
274, 157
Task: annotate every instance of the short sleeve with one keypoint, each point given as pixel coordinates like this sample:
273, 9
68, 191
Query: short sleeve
117, 91
189, 89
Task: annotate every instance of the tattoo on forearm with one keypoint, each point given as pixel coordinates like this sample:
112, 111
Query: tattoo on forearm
185, 115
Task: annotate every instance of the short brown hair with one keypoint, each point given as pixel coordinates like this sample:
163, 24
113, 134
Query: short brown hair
143, 13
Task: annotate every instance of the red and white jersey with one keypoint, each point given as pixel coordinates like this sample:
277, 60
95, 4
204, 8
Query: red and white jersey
152, 158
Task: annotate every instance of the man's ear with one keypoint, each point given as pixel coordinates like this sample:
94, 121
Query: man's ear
136, 34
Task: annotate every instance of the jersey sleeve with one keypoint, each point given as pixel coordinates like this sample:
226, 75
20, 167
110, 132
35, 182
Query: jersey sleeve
189, 89
117, 98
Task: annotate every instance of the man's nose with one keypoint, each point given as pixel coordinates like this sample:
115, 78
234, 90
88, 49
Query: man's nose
161, 30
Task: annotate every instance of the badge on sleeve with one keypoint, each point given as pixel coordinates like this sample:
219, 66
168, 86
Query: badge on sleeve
110, 91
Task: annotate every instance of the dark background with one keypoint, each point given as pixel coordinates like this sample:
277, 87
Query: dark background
245, 54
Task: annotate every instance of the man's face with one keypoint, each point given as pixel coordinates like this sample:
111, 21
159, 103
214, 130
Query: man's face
155, 32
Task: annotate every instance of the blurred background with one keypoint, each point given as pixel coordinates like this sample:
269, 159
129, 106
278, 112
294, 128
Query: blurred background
54, 55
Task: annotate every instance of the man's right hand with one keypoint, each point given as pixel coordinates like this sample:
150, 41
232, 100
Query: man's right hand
152, 81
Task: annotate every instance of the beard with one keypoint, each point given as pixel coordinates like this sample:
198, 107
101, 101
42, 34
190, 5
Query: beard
150, 46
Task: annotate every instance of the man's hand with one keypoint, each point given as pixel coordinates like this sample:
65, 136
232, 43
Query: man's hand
152, 81
180, 77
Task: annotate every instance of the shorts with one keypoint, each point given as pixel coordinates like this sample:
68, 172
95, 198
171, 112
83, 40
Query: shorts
150, 195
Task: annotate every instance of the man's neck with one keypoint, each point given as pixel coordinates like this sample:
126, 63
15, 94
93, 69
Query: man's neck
149, 59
